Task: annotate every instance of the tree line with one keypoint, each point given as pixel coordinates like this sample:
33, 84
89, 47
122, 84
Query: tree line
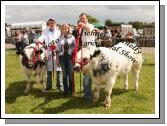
108, 22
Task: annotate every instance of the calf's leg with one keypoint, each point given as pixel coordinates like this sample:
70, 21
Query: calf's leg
136, 71
136, 79
126, 82
96, 93
108, 90
28, 79
42, 78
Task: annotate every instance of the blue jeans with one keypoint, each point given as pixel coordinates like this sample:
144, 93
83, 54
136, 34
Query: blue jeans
66, 66
87, 82
49, 80
20, 46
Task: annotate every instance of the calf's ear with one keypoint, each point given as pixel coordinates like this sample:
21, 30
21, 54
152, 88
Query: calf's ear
41, 51
96, 53
38, 52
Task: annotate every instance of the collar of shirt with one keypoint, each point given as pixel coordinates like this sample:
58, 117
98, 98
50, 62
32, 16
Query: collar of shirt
51, 30
67, 36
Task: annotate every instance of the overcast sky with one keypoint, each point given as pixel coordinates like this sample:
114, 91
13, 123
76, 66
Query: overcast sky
70, 13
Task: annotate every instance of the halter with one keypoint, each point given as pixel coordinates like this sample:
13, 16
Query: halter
83, 62
36, 61
36, 48
76, 44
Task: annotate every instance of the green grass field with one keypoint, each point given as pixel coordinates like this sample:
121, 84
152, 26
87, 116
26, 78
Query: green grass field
53, 102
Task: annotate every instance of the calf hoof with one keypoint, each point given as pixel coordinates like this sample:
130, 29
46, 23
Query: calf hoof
107, 104
107, 108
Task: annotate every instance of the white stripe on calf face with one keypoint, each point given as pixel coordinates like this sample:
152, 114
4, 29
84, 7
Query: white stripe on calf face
28, 52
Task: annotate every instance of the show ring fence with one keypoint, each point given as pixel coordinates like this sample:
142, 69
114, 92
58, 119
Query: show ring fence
147, 45
148, 50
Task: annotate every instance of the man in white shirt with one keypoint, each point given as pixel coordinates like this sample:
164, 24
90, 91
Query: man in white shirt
31, 36
87, 39
49, 37
105, 36
105, 33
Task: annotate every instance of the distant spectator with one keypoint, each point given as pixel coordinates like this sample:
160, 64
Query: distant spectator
6, 35
115, 32
105, 36
38, 33
129, 35
18, 41
114, 37
105, 33
131, 38
119, 34
24, 39
31, 36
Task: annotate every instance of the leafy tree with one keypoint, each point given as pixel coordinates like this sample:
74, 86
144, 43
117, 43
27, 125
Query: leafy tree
108, 22
92, 19
137, 24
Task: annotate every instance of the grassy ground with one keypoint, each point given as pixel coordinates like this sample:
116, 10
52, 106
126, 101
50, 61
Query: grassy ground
123, 102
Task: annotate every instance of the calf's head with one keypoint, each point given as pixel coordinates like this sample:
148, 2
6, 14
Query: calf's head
85, 58
31, 52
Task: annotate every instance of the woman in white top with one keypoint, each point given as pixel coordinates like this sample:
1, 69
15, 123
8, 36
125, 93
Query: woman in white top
66, 45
